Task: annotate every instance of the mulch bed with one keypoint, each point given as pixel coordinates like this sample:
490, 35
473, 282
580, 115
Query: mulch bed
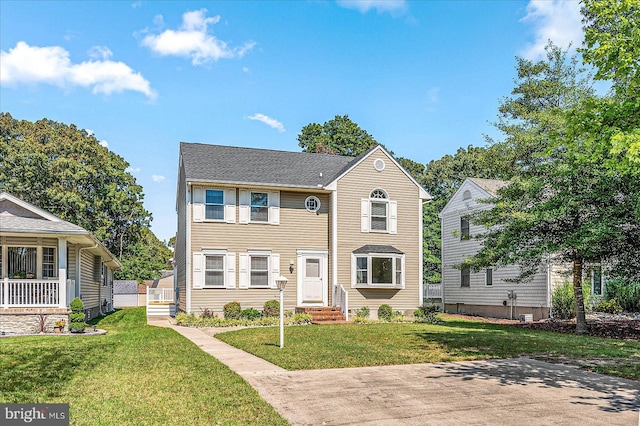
618, 329
626, 329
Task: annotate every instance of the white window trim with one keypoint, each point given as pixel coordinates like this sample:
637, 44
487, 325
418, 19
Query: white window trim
273, 268
273, 207
199, 204
461, 284
465, 237
396, 257
602, 281
199, 271
366, 213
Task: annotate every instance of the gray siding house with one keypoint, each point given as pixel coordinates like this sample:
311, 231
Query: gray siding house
45, 262
344, 231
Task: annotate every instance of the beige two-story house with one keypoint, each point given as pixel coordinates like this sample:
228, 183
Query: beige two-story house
344, 231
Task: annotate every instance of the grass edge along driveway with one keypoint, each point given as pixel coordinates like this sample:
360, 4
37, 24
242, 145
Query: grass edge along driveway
359, 345
134, 375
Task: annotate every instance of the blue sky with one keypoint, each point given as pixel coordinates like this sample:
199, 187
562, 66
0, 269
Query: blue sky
423, 77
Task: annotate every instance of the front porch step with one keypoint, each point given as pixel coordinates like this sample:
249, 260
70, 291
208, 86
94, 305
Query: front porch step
323, 315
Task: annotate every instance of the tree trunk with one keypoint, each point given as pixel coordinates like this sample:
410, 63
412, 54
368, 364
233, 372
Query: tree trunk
581, 320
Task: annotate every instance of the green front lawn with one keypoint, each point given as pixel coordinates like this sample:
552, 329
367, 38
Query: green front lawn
134, 375
357, 345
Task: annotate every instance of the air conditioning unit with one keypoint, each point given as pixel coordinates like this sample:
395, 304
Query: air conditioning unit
526, 317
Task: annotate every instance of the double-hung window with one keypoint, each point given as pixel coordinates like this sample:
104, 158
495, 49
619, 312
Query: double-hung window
464, 228
465, 277
488, 278
214, 270
379, 214
260, 207
214, 204
596, 281
259, 271
49, 262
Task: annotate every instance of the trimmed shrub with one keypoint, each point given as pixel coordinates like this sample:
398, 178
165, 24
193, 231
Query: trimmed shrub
608, 306
76, 317
427, 313
385, 312
363, 312
271, 308
250, 314
232, 310
190, 320
627, 294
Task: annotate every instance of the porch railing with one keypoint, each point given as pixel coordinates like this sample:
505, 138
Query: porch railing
432, 291
29, 293
160, 295
341, 300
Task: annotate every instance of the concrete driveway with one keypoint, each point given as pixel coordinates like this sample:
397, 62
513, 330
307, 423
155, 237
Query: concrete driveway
498, 392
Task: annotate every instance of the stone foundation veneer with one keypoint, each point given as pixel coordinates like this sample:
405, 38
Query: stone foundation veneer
27, 320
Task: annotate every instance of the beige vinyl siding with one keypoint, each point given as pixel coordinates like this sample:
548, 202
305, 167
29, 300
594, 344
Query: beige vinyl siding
531, 294
89, 287
180, 250
298, 229
72, 270
357, 185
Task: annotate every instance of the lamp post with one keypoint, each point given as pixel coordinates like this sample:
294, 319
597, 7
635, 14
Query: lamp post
281, 282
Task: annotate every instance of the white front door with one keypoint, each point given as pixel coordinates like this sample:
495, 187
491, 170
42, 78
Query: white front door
312, 281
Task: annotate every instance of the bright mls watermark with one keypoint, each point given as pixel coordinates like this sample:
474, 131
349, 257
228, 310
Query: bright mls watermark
34, 414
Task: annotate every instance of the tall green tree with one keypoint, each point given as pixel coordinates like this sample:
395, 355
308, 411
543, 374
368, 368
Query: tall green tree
66, 171
145, 258
612, 46
339, 136
562, 207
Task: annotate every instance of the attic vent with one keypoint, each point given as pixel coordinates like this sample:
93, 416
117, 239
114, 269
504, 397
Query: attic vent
378, 164
466, 195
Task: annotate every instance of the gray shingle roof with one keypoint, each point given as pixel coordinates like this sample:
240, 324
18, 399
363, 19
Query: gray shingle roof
125, 287
372, 248
490, 185
10, 223
226, 164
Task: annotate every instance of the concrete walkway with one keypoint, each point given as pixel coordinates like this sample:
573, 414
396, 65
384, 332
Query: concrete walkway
497, 392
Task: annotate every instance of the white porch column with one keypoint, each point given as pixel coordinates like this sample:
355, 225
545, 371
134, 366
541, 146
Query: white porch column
62, 272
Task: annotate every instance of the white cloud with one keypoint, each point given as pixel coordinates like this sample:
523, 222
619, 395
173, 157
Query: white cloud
245, 69
136, 4
104, 143
157, 178
89, 132
433, 95
555, 20
132, 169
100, 52
193, 40
51, 65
271, 122
379, 5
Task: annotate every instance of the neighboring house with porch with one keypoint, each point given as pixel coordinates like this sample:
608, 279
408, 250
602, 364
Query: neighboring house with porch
488, 292
45, 262
345, 231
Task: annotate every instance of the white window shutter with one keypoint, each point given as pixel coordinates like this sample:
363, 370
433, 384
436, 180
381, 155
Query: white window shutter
198, 204
198, 270
393, 217
274, 208
230, 205
364, 215
230, 272
243, 270
275, 270
245, 211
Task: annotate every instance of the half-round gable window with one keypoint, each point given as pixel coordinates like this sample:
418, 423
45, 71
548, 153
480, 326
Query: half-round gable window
378, 194
466, 195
